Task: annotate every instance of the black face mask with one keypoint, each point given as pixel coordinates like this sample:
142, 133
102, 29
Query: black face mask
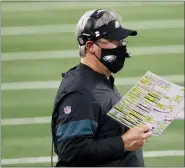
114, 58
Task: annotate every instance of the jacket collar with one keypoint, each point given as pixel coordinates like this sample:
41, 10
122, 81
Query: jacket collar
97, 74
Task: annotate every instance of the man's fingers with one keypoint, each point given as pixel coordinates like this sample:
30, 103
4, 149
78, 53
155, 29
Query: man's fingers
146, 127
147, 134
150, 126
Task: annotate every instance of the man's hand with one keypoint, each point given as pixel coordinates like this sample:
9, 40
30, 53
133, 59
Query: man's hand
135, 138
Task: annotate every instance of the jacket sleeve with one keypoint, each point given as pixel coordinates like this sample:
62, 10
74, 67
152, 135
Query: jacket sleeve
76, 130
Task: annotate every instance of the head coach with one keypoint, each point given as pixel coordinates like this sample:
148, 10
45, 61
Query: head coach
83, 134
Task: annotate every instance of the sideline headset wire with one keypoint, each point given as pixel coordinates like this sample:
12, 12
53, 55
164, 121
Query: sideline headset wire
52, 153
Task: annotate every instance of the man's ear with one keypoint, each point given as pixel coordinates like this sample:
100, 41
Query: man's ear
89, 47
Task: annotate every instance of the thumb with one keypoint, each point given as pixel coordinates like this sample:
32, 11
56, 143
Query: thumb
146, 127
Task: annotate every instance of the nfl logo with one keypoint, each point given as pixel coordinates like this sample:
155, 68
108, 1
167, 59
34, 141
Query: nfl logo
67, 109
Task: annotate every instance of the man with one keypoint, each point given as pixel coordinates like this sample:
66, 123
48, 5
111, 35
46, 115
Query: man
83, 134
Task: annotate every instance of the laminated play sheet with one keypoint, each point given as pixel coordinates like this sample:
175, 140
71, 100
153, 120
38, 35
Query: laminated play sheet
151, 100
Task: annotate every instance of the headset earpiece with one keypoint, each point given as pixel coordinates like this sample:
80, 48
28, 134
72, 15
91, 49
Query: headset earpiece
88, 34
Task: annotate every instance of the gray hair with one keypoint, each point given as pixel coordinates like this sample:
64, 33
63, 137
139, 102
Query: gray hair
105, 19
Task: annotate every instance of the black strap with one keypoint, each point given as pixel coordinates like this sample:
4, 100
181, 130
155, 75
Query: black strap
88, 33
92, 20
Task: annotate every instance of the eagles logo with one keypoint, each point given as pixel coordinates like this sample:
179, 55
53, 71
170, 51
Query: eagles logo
109, 58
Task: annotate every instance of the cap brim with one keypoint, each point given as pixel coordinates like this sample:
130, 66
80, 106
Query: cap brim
121, 33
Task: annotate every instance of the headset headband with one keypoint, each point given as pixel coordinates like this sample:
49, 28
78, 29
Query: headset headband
112, 30
88, 33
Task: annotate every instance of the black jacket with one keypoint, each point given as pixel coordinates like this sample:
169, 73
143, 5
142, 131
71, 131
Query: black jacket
83, 134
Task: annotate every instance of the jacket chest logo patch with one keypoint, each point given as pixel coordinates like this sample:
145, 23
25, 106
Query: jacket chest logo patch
67, 109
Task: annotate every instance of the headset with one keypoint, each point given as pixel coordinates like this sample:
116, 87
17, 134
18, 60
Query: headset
89, 33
